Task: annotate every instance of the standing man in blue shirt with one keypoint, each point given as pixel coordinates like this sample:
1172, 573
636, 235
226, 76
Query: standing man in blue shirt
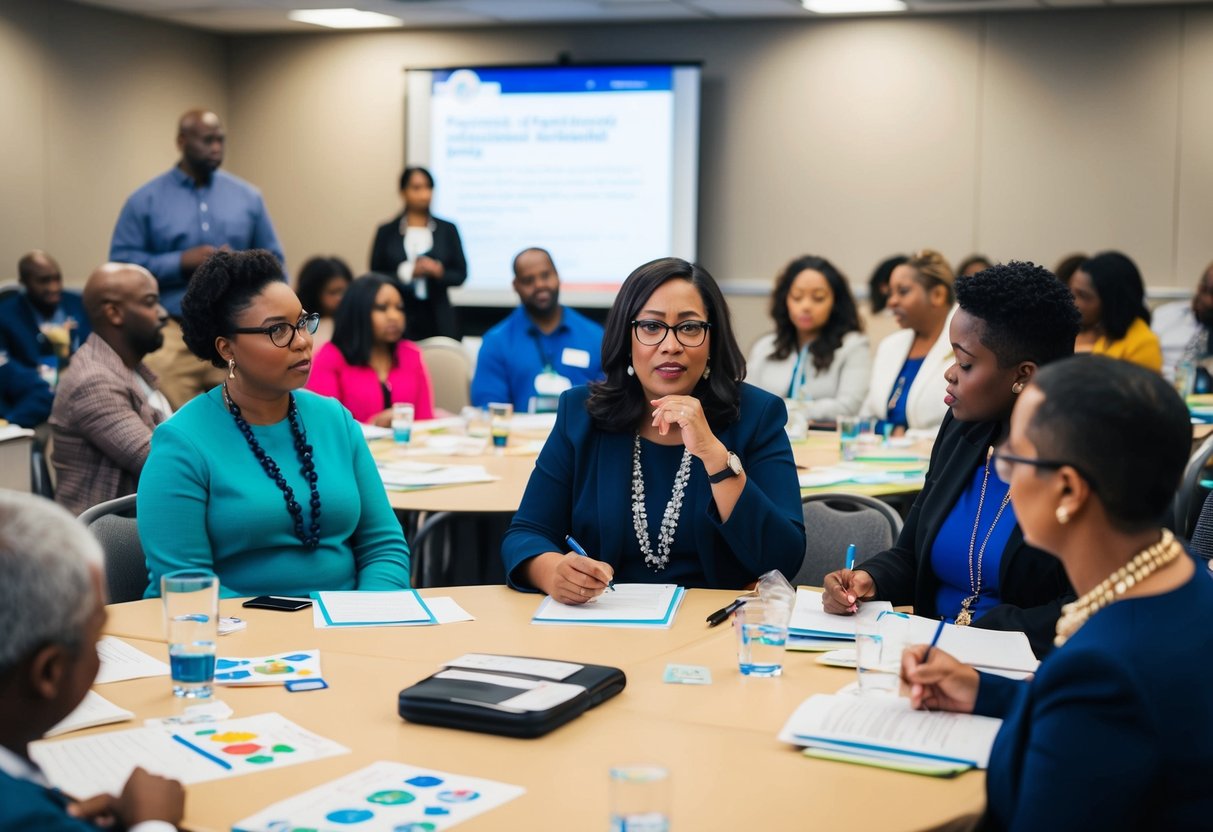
173, 223
42, 326
542, 348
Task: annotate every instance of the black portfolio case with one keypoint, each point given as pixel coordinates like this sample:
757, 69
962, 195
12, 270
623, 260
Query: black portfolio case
474, 704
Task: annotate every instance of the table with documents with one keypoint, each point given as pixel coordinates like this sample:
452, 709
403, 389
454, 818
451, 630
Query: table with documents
720, 741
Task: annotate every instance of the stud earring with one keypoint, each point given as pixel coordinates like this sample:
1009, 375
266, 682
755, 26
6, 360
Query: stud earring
1063, 516
231, 368
1017, 388
631, 371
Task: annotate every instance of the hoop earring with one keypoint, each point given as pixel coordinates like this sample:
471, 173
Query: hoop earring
231, 368
631, 371
1063, 515
1017, 388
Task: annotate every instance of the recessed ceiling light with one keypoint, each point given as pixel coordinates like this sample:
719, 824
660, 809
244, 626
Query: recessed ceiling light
345, 18
853, 6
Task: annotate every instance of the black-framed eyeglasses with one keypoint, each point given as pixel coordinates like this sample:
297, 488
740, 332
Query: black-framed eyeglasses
282, 334
689, 333
1005, 463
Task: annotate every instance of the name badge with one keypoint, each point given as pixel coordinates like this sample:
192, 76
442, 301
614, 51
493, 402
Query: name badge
575, 358
551, 384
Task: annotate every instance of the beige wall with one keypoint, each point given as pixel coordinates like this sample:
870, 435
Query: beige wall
90, 101
1019, 135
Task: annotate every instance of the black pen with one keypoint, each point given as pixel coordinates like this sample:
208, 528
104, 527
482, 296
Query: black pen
720, 615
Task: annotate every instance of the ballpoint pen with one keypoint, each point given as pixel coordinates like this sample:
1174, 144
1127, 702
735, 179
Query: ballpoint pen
723, 613
934, 641
576, 547
850, 561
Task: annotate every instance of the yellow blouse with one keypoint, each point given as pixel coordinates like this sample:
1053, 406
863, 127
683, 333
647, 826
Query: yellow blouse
1139, 346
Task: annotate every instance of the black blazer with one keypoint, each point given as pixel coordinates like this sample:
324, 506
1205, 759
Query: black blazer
1032, 583
434, 315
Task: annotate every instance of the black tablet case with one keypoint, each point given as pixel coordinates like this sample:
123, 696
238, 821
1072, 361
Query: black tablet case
452, 703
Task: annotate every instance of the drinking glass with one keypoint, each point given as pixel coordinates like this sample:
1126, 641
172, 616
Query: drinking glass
762, 634
878, 648
402, 422
500, 416
640, 798
191, 621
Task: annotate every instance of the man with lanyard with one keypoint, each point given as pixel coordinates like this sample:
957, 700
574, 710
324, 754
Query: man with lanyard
542, 348
42, 326
177, 220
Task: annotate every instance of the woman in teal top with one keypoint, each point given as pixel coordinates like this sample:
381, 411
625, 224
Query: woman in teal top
273, 489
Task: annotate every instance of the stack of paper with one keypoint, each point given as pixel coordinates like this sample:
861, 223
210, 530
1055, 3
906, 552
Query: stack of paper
94, 709
444, 609
120, 661
880, 729
862, 473
408, 476
399, 608
385, 797
630, 605
812, 628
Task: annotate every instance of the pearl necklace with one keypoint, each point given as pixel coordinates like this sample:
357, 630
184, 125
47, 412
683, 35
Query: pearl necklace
673, 509
965, 617
1144, 564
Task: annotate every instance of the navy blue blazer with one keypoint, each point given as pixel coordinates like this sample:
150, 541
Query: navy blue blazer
1032, 583
25, 397
19, 333
1116, 730
26, 805
582, 485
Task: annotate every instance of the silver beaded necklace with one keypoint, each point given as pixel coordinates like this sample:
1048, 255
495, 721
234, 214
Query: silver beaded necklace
669, 521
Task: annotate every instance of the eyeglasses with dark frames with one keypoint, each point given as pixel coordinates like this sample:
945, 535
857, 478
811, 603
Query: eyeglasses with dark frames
1005, 463
689, 333
282, 334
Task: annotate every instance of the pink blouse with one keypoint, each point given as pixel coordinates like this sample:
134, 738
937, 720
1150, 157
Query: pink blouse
358, 387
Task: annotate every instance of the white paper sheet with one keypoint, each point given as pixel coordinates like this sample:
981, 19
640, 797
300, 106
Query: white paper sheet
987, 649
444, 608
810, 618
101, 763
630, 605
887, 724
398, 607
398, 475
121, 661
384, 797
94, 709
544, 668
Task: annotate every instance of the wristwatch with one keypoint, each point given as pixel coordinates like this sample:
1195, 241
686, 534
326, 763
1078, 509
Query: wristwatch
733, 469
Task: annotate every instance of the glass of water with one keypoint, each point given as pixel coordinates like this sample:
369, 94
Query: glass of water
500, 416
640, 798
402, 422
878, 648
191, 622
762, 634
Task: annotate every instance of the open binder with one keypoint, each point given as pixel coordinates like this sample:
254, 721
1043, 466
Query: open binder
514, 696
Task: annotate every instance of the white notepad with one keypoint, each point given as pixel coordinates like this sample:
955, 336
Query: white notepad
630, 605
887, 726
810, 619
359, 609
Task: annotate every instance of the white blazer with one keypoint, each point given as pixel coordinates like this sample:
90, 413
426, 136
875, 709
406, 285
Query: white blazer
924, 406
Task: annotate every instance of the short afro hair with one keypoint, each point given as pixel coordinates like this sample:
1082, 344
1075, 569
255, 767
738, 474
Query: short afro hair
223, 287
1029, 314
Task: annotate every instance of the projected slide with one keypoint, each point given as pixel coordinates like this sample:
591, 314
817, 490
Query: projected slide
588, 162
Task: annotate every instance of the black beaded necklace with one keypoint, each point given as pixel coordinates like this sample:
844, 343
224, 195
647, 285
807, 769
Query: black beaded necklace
306, 466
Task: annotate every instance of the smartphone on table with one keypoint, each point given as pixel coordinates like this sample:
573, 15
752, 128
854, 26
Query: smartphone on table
277, 602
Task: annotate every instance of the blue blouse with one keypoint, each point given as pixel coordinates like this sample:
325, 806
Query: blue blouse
901, 389
950, 552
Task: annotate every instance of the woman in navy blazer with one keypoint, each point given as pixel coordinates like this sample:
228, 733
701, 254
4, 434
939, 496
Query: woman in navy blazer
961, 554
436, 261
669, 471
1116, 729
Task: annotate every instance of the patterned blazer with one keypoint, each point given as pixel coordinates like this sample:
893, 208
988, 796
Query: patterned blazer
102, 427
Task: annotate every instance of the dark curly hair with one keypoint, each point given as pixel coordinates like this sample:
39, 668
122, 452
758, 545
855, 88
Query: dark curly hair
617, 404
223, 287
313, 277
1029, 314
878, 283
1122, 292
843, 318
1123, 426
352, 332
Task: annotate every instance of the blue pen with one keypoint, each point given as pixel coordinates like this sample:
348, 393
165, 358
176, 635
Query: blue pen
206, 754
576, 547
850, 557
934, 641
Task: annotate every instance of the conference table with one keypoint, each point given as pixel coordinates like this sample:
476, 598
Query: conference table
727, 769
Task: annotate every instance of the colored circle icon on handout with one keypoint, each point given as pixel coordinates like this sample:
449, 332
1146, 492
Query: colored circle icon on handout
458, 796
349, 816
391, 797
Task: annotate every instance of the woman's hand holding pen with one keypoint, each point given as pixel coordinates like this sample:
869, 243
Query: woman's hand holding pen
940, 683
570, 578
844, 589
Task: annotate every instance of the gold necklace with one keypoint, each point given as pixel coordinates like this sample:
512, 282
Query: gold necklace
965, 617
896, 397
1144, 564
